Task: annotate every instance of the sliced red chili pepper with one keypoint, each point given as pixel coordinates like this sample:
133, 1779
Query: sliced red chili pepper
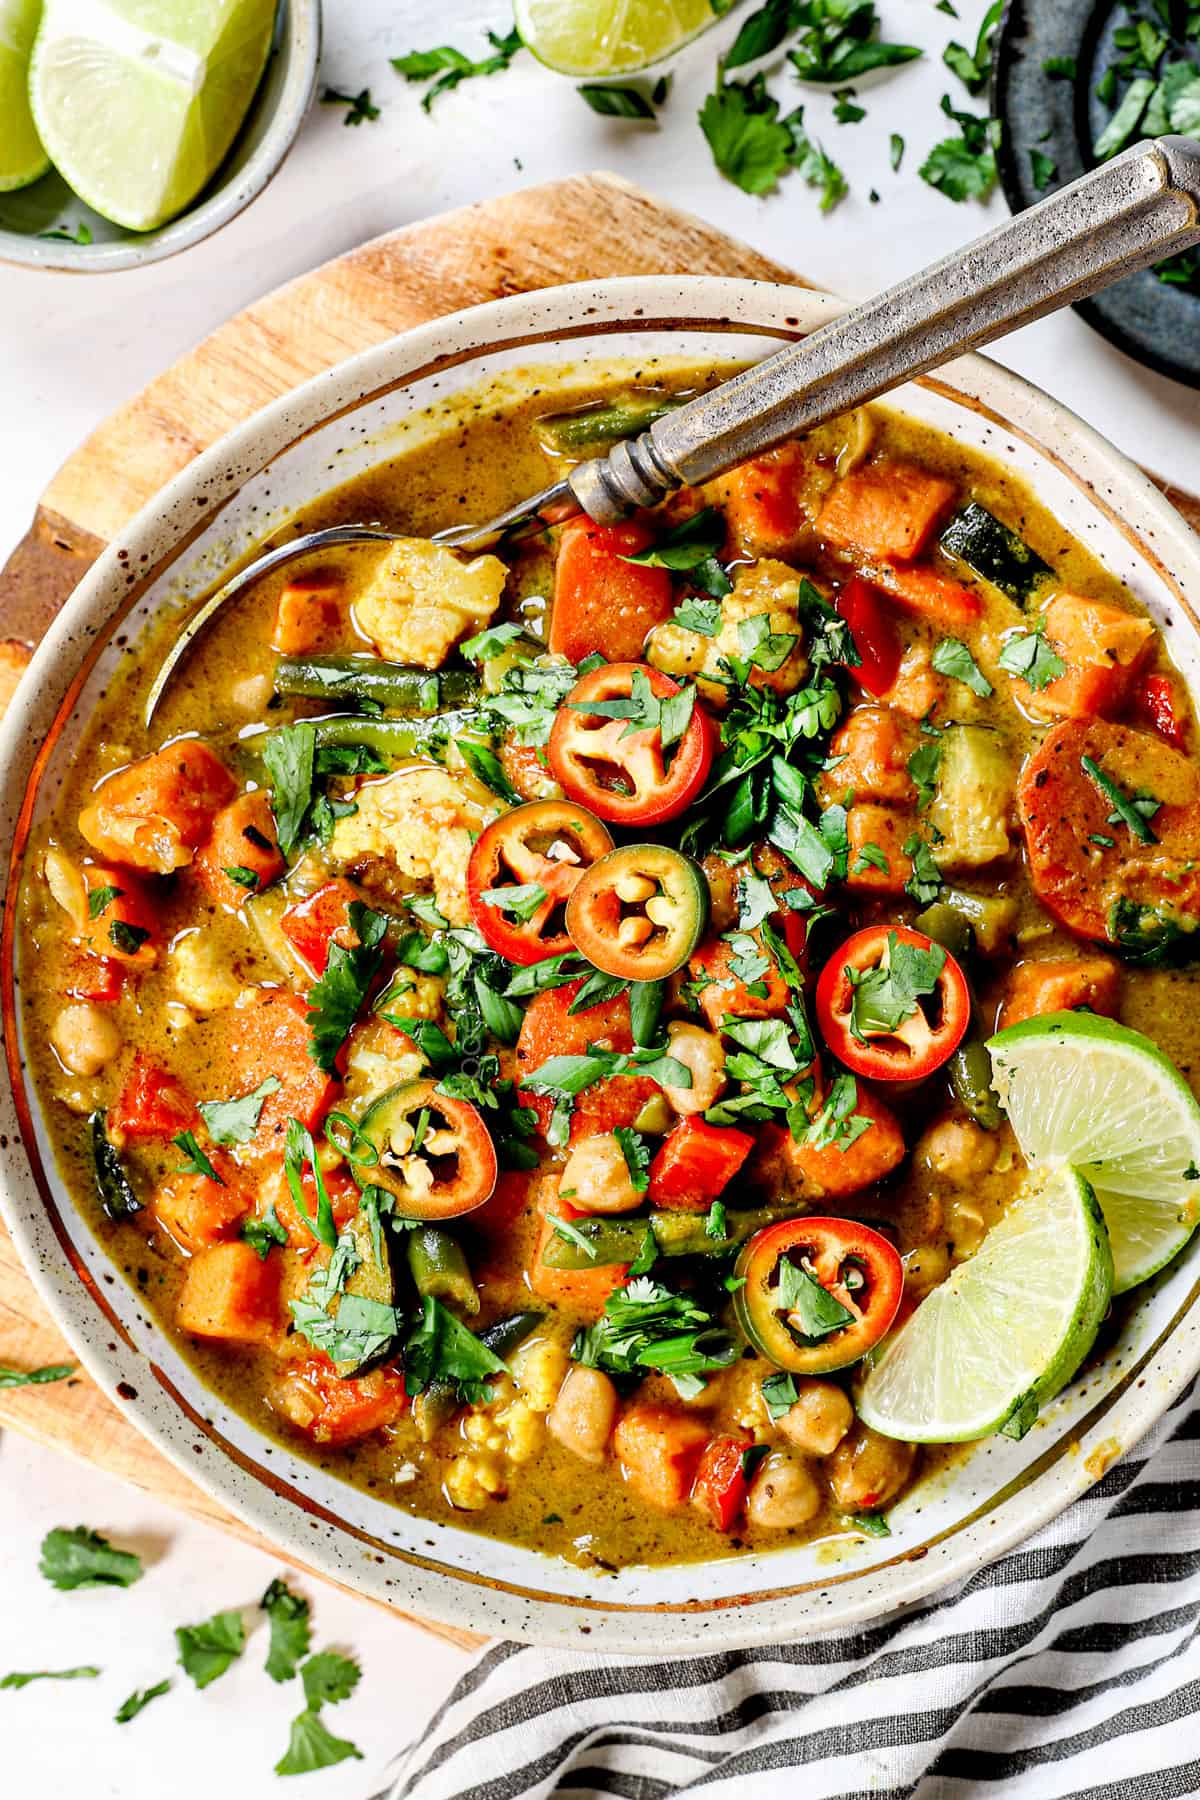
867, 613
720, 1485
319, 920
523, 870
623, 773
817, 1294
892, 1004
435, 1153
696, 1163
639, 912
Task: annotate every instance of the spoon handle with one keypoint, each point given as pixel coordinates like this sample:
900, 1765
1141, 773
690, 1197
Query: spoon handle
1142, 206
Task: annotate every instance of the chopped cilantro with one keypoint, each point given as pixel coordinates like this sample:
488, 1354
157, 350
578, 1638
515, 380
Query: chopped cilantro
240, 876
1028, 655
289, 754
444, 68
262, 1231
780, 1394
1059, 68
334, 1001
618, 100
207, 1650
16, 1378
648, 1326
328, 1677
963, 167
838, 43
139, 1700
716, 1224
101, 898
812, 1311
895, 150
887, 995
312, 1745
521, 900
486, 765
197, 1162
951, 657
21, 1678
636, 1152
236, 1121
300, 1149
82, 1558
1135, 810
974, 66
359, 107
1043, 169
925, 883
126, 938
440, 1347
923, 766
702, 616
869, 1524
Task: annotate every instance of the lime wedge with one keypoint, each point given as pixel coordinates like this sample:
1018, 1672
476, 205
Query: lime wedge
608, 37
137, 101
1008, 1328
1083, 1090
22, 157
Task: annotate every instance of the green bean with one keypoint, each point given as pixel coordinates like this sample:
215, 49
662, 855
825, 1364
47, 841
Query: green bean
970, 1068
610, 1240
395, 687
439, 1268
439, 1403
396, 738
605, 424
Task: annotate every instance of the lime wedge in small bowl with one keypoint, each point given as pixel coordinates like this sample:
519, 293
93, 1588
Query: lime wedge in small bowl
592, 38
1006, 1330
137, 101
23, 157
1084, 1090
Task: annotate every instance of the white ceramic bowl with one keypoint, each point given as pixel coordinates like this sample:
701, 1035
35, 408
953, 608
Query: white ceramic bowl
264, 138
325, 432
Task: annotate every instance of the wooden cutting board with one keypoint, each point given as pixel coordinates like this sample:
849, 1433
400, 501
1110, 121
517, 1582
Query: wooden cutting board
580, 229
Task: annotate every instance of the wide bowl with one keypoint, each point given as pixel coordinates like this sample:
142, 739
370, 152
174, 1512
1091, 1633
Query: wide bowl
328, 430
266, 134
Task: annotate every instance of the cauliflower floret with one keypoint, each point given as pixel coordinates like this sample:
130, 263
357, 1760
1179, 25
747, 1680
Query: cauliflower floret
539, 1368
766, 590
422, 820
473, 1480
202, 979
422, 600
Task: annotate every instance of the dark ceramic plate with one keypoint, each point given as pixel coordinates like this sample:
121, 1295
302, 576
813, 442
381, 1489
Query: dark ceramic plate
1152, 321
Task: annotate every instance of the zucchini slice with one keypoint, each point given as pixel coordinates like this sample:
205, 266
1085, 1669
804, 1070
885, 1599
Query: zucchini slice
113, 1185
994, 551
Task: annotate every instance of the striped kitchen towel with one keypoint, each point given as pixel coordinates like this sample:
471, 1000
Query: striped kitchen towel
1068, 1668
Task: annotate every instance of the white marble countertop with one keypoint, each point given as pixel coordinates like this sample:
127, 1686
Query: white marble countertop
73, 348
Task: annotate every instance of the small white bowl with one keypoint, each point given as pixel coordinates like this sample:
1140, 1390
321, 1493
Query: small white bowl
332, 428
264, 138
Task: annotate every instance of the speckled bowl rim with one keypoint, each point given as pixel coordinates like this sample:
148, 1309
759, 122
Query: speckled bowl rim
301, 47
305, 1529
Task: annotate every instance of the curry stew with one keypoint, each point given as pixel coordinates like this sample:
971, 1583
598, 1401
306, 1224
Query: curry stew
520, 1018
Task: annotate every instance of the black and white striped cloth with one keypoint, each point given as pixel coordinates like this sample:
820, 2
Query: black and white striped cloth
1069, 1668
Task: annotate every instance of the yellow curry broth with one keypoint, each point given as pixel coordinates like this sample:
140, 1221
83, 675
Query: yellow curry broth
939, 1205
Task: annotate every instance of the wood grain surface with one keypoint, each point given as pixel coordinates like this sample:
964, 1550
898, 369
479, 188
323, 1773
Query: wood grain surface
580, 229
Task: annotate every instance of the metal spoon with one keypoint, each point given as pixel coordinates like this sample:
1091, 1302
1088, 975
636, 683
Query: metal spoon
1136, 210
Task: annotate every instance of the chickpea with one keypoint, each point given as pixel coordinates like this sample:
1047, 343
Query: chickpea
783, 1493
957, 1150
925, 1269
596, 1178
820, 1418
703, 1053
867, 1470
583, 1416
722, 892
251, 694
85, 1038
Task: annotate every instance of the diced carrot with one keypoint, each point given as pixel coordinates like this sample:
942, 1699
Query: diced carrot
269, 1036
315, 1399
199, 1212
156, 813
696, 1163
310, 615
878, 834
1161, 706
152, 1104
1057, 985
123, 927
230, 1292
872, 747
761, 500
320, 919
599, 599
243, 837
581, 1291
725, 995
275, 1191
935, 597
550, 1028
659, 1450
885, 509
1103, 646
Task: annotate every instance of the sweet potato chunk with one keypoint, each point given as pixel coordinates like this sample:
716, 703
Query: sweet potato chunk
243, 838
156, 813
659, 1449
310, 616
877, 862
198, 1212
1058, 984
316, 1400
1103, 647
581, 1291
230, 1293
872, 746
885, 509
269, 1036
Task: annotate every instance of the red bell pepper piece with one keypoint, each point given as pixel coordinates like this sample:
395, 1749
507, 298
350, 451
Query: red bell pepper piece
315, 922
865, 611
696, 1163
151, 1104
1158, 702
95, 978
720, 1486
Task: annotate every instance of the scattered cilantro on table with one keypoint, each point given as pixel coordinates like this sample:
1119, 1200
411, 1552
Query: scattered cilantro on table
79, 1558
207, 1650
444, 68
359, 107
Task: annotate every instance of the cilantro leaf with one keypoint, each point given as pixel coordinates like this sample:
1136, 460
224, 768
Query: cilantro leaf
1042, 169
963, 167
313, 1746
444, 68
869, 1524
522, 899
328, 1678
648, 1326
925, 883
15, 1378
1029, 656
780, 1394
951, 657
236, 1121
263, 1230
685, 546
126, 937
334, 1001
895, 150
289, 756
101, 898
636, 1152
299, 1149
974, 67
486, 765
490, 643
138, 1701
763, 31
750, 145
197, 1163
359, 105
288, 1615
207, 1650
81, 1558
887, 995
440, 1347
20, 1678
923, 766
838, 42
812, 1311
702, 616
1060, 68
